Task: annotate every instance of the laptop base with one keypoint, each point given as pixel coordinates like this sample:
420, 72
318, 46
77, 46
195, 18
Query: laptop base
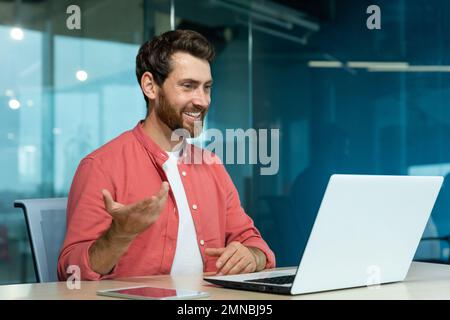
249, 286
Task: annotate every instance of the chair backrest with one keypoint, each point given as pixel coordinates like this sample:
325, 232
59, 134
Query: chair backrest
429, 250
46, 225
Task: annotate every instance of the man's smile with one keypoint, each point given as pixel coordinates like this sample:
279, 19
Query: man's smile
192, 116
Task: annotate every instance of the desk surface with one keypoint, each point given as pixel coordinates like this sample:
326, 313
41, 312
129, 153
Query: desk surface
424, 281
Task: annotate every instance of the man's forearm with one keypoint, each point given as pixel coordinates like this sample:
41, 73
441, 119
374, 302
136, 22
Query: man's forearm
105, 253
261, 259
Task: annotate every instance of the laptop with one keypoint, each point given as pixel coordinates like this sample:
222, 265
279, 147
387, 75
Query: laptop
366, 232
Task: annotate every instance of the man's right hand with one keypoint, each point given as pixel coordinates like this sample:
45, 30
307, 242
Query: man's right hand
130, 220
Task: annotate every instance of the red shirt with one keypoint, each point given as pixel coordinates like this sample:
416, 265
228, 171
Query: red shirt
130, 167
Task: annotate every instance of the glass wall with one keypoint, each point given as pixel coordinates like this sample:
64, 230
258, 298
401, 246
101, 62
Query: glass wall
309, 69
352, 100
63, 93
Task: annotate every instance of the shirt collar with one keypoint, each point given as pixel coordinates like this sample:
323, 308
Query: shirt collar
151, 146
188, 151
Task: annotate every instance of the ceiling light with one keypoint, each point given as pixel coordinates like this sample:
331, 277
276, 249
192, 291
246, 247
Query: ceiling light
324, 64
81, 75
16, 33
377, 64
14, 104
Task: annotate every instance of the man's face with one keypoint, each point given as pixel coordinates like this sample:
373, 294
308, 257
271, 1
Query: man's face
185, 96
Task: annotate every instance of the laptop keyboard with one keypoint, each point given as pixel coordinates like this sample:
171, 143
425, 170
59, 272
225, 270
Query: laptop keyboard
275, 280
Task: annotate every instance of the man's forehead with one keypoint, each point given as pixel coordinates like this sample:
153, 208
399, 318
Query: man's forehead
185, 65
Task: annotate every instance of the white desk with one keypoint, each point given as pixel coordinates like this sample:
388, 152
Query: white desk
424, 281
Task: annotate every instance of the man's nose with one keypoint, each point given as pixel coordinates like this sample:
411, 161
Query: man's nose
202, 98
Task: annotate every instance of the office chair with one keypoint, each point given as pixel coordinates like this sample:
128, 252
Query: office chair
46, 225
430, 249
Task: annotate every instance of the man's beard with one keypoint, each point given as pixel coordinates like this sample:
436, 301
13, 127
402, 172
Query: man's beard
174, 119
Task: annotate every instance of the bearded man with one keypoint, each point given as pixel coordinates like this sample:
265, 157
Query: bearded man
137, 208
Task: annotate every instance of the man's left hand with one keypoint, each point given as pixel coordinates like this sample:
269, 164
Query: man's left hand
237, 258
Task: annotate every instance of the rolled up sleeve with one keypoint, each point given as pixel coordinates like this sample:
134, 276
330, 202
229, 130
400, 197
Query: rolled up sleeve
87, 220
240, 227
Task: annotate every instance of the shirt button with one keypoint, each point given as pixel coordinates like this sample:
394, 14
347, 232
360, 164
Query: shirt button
194, 206
202, 242
183, 173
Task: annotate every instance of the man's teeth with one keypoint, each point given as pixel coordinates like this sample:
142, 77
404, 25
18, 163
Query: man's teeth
193, 114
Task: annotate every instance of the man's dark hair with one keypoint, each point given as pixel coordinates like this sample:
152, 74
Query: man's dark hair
155, 55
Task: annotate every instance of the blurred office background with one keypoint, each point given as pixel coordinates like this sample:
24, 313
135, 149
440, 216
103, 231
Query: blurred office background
294, 65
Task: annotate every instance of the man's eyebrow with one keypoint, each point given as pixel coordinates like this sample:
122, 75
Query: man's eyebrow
194, 81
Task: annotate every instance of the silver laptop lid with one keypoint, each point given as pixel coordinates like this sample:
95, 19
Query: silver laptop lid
366, 231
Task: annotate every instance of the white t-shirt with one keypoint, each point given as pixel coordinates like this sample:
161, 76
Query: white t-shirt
188, 259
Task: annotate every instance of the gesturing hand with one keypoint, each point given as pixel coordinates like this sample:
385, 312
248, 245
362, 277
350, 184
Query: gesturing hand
131, 220
233, 259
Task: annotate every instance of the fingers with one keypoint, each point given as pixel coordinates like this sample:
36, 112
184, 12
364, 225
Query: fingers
158, 201
245, 265
228, 264
108, 200
153, 203
236, 260
147, 202
163, 191
250, 268
214, 252
159, 198
228, 254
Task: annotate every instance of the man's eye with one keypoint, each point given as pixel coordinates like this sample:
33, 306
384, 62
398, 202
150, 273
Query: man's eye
187, 86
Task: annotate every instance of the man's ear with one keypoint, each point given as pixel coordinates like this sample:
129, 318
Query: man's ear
149, 86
